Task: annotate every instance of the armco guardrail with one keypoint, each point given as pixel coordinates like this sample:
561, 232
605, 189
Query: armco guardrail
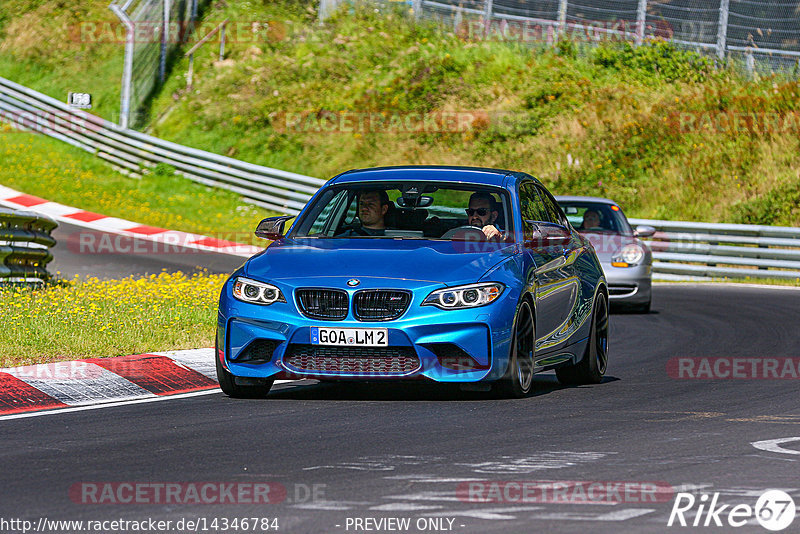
134, 152
25, 243
681, 249
710, 250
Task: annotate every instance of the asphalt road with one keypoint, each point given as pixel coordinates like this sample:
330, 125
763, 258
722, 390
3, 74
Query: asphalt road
86, 252
397, 451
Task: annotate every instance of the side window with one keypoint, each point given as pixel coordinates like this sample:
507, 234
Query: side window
554, 213
531, 206
327, 219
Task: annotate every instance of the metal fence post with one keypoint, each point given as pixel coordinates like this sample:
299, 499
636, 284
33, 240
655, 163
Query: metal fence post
562, 19
127, 69
416, 6
162, 66
722, 28
326, 8
222, 42
641, 20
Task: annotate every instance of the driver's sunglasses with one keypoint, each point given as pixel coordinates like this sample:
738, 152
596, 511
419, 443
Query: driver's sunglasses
480, 211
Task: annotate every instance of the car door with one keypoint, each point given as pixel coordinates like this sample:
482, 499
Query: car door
569, 285
549, 266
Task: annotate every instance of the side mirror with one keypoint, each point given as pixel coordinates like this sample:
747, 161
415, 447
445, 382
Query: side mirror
644, 231
272, 227
547, 235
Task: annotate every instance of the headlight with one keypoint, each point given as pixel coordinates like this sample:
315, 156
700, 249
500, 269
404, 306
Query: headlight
471, 296
631, 254
248, 290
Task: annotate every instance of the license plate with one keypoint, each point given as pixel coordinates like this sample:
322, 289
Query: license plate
360, 337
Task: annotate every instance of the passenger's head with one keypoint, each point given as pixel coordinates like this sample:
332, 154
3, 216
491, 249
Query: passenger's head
372, 207
482, 209
591, 219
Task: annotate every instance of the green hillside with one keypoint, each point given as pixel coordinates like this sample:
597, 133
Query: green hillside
652, 127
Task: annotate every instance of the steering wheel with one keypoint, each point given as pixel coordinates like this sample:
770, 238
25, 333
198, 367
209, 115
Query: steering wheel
465, 233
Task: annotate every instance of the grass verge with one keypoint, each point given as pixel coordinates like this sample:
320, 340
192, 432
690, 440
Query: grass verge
129, 316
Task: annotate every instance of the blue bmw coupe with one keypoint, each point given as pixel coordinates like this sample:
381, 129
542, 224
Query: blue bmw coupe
450, 274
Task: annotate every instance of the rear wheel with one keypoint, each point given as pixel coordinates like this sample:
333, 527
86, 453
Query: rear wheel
228, 385
518, 380
592, 367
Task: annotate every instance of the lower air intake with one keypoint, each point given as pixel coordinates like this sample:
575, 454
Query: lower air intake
348, 361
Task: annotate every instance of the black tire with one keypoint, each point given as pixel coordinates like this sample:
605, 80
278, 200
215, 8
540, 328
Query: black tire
518, 379
592, 367
228, 385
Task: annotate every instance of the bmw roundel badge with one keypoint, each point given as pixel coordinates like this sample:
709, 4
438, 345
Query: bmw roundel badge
353, 282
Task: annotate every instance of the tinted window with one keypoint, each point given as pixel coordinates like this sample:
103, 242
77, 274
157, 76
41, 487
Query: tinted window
531, 204
554, 213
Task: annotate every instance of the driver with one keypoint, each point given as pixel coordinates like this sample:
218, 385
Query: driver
372, 207
482, 213
591, 219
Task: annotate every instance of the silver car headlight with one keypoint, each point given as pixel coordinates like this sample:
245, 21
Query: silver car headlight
248, 290
631, 254
469, 296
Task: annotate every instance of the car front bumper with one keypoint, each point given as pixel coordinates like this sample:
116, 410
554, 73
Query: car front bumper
466, 345
629, 285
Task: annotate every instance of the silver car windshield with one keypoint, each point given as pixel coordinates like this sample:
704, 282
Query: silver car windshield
596, 217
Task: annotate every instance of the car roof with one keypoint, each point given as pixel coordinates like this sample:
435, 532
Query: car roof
438, 173
599, 200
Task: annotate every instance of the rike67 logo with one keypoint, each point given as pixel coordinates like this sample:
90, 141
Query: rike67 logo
774, 510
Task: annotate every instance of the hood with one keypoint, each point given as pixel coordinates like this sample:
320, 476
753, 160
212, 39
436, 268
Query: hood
606, 244
444, 262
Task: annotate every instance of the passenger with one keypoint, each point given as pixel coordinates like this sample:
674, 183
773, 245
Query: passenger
372, 208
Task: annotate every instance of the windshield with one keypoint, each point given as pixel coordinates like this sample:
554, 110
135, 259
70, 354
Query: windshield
408, 210
596, 217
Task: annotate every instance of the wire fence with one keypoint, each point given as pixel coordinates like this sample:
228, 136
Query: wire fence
154, 29
761, 34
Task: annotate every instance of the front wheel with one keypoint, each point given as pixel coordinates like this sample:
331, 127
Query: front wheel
592, 367
518, 380
228, 385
